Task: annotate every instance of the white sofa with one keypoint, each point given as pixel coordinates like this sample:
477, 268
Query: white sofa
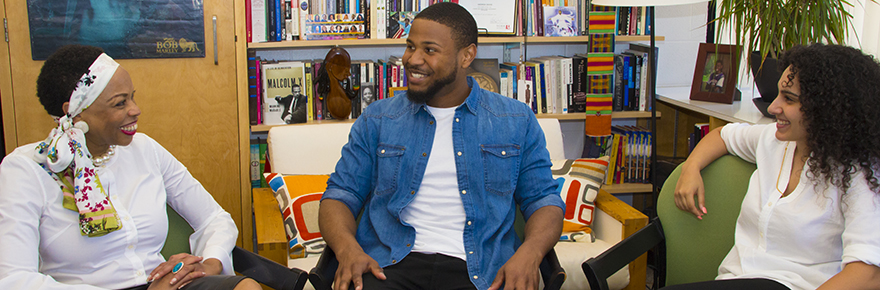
315, 148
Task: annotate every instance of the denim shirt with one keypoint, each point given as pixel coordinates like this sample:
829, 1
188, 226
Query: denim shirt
501, 161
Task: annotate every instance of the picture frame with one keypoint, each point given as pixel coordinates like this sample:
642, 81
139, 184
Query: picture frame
715, 73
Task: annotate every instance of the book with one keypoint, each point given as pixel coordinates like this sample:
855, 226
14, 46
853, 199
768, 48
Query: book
270, 20
282, 88
399, 23
578, 102
255, 163
253, 88
310, 94
486, 72
560, 21
264, 160
258, 21
368, 86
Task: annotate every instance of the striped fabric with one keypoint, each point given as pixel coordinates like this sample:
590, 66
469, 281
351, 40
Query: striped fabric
600, 69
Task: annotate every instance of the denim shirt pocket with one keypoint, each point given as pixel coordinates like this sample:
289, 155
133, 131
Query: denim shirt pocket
388, 169
500, 164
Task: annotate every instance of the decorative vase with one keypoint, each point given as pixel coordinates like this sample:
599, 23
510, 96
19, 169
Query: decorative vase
766, 78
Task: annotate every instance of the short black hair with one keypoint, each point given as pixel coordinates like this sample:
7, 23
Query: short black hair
462, 23
60, 73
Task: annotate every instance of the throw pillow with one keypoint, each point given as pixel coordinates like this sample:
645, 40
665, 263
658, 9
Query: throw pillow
299, 197
579, 182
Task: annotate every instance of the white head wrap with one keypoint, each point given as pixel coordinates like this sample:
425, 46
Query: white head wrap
66, 158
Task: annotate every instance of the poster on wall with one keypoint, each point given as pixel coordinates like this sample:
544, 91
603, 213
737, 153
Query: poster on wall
125, 29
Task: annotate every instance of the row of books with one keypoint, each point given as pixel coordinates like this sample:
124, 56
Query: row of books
548, 85
280, 20
630, 150
620, 20
259, 162
631, 79
700, 131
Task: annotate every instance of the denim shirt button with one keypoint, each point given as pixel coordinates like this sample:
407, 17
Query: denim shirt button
469, 222
383, 151
459, 153
475, 277
424, 154
503, 152
456, 120
431, 122
408, 245
464, 192
393, 261
412, 192
471, 253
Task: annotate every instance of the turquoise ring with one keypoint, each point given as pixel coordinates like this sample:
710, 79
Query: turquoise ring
177, 267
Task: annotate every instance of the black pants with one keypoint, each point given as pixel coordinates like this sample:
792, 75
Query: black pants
731, 284
224, 282
422, 271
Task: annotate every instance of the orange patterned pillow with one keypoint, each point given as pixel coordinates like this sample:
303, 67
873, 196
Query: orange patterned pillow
579, 182
299, 197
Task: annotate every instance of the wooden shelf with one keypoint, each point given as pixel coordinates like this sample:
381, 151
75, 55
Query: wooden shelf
561, 117
628, 188
614, 115
385, 42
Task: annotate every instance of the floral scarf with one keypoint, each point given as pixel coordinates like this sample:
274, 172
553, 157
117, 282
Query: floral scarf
66, 158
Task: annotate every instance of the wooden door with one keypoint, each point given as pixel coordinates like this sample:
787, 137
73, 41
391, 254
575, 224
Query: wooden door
188, 105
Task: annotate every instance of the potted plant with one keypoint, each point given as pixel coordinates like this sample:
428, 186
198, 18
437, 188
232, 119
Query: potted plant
767, 27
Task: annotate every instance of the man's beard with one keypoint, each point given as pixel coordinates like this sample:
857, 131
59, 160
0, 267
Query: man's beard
425, 96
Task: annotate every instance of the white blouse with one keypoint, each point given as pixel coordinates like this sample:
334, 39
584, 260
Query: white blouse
42, 247
805, 238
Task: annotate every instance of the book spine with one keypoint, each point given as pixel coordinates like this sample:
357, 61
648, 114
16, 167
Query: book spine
270, 21
248, 20
258, 20
259, 75
568, 72
291, 27
307, 83
618, 78
643, 100
543, 89
303, 7
263, 149
316, 99
279, 20
253, 89
255, 164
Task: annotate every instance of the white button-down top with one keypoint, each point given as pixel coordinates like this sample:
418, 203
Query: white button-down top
40, 242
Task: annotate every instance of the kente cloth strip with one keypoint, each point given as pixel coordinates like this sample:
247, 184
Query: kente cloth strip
65, 156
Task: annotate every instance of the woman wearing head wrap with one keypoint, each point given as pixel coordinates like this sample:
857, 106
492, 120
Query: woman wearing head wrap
85, 208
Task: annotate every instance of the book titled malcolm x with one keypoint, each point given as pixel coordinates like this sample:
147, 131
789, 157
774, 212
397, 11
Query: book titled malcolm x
282, 92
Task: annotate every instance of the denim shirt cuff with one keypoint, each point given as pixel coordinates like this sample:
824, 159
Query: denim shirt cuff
349, 199
549, 200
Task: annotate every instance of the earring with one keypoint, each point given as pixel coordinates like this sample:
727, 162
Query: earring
82, 126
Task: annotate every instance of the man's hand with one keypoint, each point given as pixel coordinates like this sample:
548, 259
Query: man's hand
520, 272
351, 269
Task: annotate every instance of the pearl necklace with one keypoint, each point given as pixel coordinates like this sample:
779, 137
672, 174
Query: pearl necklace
100, 160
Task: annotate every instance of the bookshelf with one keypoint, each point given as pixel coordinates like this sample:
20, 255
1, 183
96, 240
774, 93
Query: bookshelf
480, 40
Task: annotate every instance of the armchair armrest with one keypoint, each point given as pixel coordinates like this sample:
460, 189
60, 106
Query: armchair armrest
631, 220
599, 268
271, 240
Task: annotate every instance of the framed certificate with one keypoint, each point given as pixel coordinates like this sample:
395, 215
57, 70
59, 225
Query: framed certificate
493, 16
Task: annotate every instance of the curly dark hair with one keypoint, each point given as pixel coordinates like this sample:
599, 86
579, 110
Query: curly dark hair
840, 101
462, 23
60, 73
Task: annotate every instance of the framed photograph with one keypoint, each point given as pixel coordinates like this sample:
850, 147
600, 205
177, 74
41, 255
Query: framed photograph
715, 73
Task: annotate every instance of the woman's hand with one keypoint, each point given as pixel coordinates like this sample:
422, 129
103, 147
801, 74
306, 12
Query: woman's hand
689, 186
181, 269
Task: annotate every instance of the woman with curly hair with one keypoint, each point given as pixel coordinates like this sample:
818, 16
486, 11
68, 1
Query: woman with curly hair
810, 217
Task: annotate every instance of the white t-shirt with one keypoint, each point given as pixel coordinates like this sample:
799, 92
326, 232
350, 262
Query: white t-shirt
42, 247
437, 212
803, 239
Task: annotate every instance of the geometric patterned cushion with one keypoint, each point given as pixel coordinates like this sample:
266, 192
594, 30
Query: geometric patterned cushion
299, 197
579, 182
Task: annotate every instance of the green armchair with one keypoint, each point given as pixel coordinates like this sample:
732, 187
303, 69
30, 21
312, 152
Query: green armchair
262, 270
690, 250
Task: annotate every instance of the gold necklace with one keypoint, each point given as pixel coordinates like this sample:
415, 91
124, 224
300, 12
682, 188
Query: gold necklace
780, 168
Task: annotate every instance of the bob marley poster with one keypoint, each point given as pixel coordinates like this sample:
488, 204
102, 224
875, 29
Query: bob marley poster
125, 29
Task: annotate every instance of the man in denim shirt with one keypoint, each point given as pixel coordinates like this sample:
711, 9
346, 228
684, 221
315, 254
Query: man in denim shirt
438, 172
